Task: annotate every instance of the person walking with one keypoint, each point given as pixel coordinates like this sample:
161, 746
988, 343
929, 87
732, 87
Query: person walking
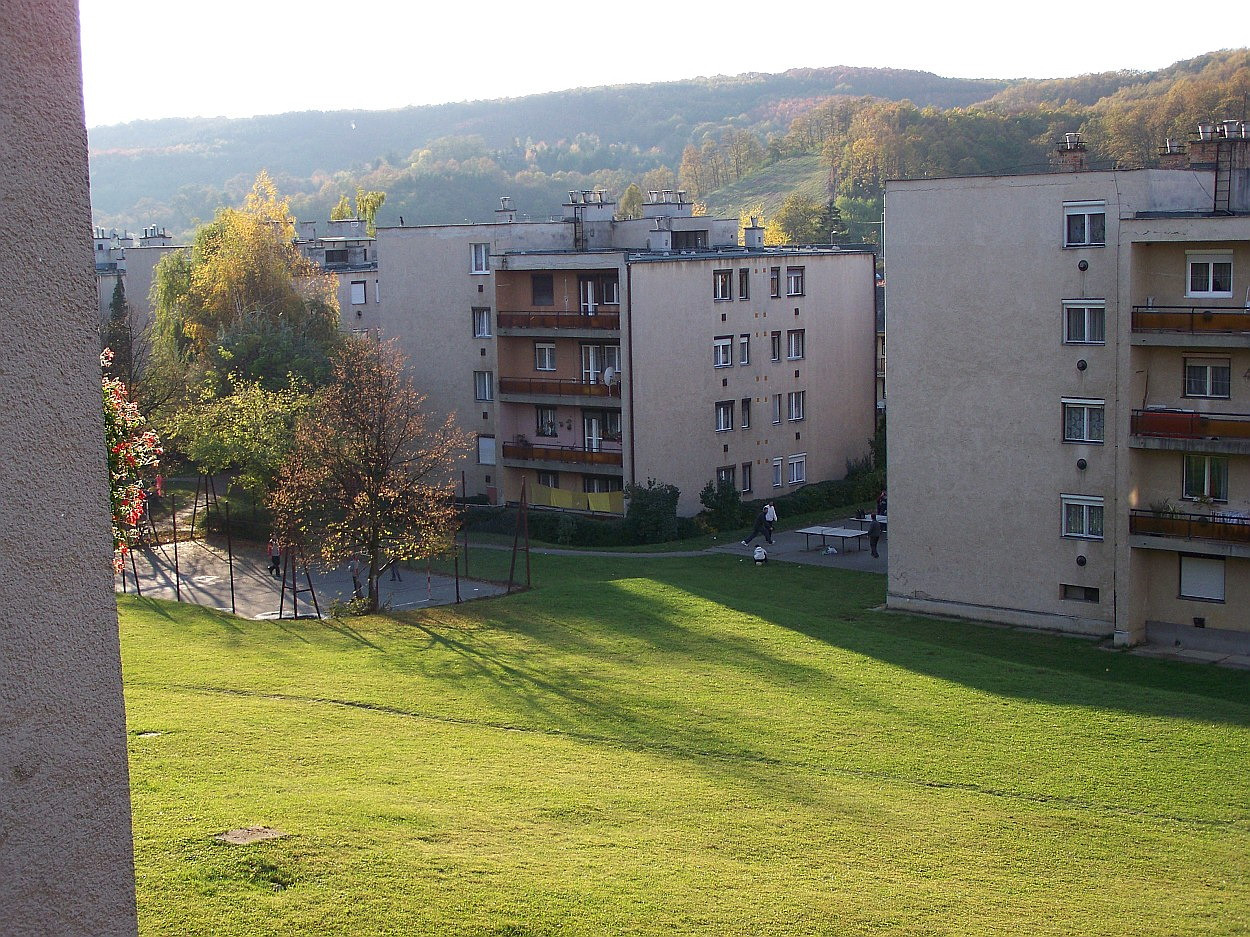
275, 557
355, 568
395, 576
874, 535
770, 520
761, 527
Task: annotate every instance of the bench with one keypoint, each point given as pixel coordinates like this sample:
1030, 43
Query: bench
841, 533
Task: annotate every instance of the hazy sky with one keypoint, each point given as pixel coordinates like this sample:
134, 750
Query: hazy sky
234, 58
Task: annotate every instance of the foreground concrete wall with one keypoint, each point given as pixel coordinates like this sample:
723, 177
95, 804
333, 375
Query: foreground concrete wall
65, 846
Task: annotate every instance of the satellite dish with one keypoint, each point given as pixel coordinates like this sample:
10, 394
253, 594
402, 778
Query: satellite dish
610, 376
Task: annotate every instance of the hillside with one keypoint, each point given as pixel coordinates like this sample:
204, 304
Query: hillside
733, 141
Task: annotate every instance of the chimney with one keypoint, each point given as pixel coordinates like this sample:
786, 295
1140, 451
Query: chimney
1172, 155
753, 235
660, 238
1071, 153
1202, 150
505, 212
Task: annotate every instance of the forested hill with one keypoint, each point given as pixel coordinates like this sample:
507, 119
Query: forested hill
450, 162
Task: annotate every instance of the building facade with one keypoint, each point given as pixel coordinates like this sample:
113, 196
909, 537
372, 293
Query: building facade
588, 353
1069, 435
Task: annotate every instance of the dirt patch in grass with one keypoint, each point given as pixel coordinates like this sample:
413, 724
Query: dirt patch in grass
249, 834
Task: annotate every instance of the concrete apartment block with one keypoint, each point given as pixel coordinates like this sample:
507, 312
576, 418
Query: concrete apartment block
65, 860
1069, 432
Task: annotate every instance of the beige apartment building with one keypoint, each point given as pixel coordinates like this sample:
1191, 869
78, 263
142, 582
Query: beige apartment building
587, 353
1069, 432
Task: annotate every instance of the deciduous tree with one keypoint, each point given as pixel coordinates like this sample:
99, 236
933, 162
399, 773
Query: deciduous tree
370, 474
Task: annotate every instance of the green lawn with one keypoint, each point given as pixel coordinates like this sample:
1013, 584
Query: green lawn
659, 746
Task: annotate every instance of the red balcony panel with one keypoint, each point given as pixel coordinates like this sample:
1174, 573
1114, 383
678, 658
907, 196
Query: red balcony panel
1194, 319
1224, 528
537, 453
559, 320
556, 387
1179, 424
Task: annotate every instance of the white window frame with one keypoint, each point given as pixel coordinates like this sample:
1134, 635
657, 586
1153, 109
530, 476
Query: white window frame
796, 401
1089, 517
774, 282
744, 349
479, 257
775, 346
548, 479
545, 423
723, 351
1085, 407
796, 344
727, 473
1201, 577
544, 356
1209, 367
1087, 310
1208, 259
486, 450
776, 408
746, 476
1204, 477
1086, 211
744, 420
795, 280
777, 473
481, 322
724, 416
722, 285
796, 469
611, 291
744, 283
483, 385
359, 292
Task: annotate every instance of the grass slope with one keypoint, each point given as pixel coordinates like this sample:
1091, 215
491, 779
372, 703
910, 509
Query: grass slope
659, 746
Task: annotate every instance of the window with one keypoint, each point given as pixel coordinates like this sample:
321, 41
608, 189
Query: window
358, 292
486, 450
723, 351
776, 346
598, 484
746, 476
744, 349
794, 281
1208, 377
794, 404
481, 258
544, 356
776, 408
724, 474
1082, 517
611, 290
746, 412
1206, 477
1210, 275
481, 323
724, 415
1202, 577
794, 344
1084, 324
549, 479
336, 255
483, 385
744, 284
797, 466
543, 289
1082, 420
1079, 593
774, 282
689, 240
777, 467
545, 421
1085, 224
722, 284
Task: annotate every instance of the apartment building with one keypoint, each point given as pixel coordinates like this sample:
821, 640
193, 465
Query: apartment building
348, 251
1069, 432
132, 260
587, 353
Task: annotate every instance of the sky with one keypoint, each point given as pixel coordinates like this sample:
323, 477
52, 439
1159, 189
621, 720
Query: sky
147, 59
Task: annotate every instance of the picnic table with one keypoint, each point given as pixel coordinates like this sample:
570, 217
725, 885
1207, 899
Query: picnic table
841, 533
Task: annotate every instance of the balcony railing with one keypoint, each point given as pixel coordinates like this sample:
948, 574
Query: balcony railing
559, 320
1226, 528
1198, 320
1181, 424
556, 387
533, 452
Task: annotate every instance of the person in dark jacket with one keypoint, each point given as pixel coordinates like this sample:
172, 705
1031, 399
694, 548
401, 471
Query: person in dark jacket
874, 535
761, 526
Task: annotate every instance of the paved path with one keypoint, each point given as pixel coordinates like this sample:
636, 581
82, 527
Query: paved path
204, 578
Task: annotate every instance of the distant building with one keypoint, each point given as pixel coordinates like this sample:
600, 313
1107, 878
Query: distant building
1069, 431
587, 353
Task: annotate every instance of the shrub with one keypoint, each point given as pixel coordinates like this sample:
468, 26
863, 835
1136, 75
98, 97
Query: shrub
651, 516
723, 502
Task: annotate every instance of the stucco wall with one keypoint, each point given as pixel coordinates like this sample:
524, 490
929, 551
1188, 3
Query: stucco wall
65, 846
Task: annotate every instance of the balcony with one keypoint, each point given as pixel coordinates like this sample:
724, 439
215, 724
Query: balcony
1187, 431
1191, 326
527, 389
530, 453
574, 324
1224, 534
